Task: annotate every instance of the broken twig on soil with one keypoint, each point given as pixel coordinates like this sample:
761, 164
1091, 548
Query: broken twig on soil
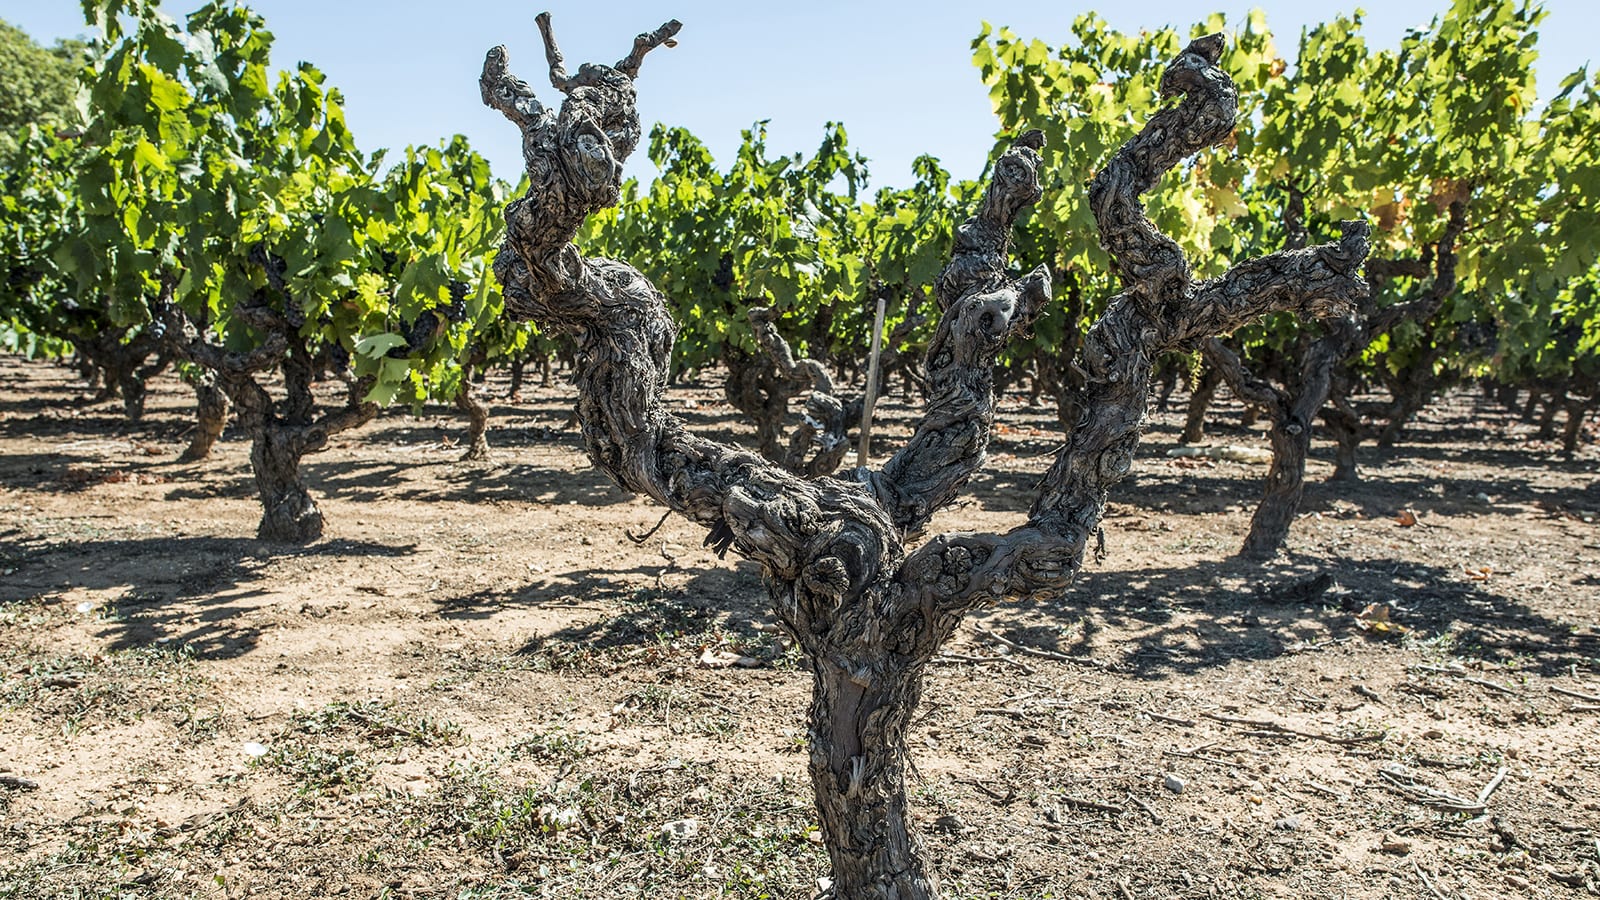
1276, 728
1040, 652
1576, 695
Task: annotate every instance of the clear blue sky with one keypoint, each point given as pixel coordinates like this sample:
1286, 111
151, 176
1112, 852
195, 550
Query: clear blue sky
899, 75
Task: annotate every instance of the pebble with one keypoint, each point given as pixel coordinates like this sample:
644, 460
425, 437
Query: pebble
681, 830
559, 818
1393, 843
1173, 783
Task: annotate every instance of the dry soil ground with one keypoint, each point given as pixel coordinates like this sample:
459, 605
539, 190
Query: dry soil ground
478, 686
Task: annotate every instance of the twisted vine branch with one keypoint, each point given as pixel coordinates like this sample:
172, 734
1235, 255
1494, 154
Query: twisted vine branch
1161, 308
819, 443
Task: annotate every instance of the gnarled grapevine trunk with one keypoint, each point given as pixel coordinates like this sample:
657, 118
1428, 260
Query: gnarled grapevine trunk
1578, 408
282, 432
121, 366
869, 613
211, 417
1412, 387
1306, 393
756, 387
289, 514
477, 412
1345, 425
818, 444
1553, 403
1439, 261
1291, 411
1168, 379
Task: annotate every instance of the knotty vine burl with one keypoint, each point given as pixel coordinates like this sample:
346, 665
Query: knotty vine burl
869, 607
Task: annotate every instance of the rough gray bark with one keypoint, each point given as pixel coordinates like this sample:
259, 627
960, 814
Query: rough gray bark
1062, 373
211, 417
477, 412
757, 387
1291, 411
514, 393
894, 358
762, 384
123, 365
1439, 261
1410, 389
869, 611
1547, 420
1578, 406
1168, 379
1346, 426
1321, 378
284, 434
281, 432
817, 446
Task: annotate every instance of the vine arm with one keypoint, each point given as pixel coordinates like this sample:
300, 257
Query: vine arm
981, 309
1161, 308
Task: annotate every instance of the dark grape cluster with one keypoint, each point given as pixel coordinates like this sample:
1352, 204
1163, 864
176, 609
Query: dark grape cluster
1481, 336
723, 279
418, 334
457, 310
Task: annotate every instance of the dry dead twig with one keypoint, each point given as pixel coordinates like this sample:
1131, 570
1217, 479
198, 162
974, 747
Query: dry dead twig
1270, 728
1427, 883
1021, 666
1401, 782
1081, 803
1576, 695
1039, 652
1492, 786
1494, 686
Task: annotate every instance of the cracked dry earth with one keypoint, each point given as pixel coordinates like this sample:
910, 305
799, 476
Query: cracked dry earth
478, 686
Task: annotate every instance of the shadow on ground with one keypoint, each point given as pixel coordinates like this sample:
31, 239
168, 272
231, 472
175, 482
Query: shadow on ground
183, 592
1177, 622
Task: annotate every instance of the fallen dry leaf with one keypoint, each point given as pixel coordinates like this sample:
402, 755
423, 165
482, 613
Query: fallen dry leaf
717, 659
1374, 619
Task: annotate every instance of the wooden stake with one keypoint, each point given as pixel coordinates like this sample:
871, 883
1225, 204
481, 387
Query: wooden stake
864, 448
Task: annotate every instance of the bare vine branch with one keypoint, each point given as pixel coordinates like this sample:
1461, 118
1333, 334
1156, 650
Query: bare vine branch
981, 310
1245, 384
1160, 309
1441, 256
552, 54
644, 43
